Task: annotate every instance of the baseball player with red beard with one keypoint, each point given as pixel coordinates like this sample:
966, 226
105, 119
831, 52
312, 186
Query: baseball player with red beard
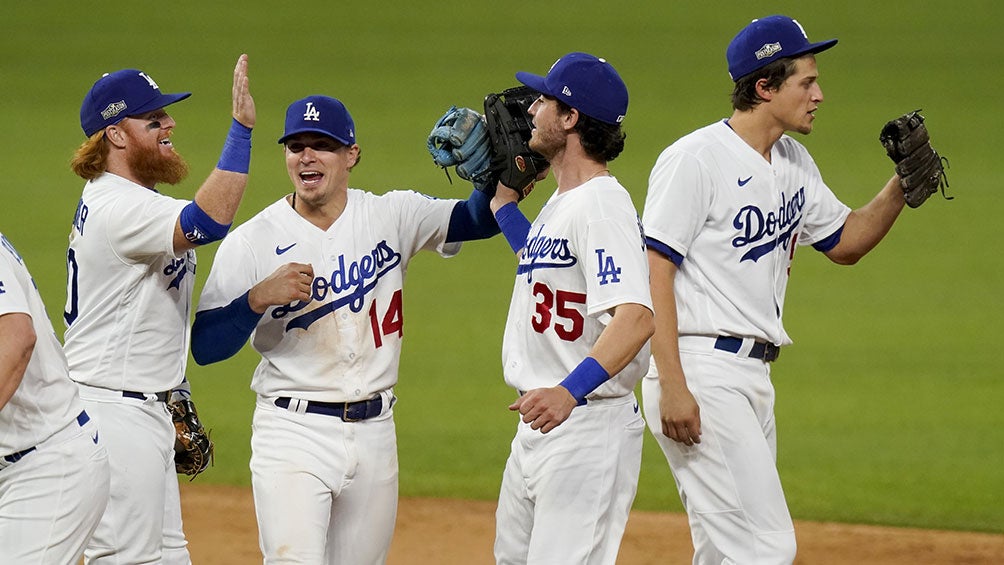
316, 282
575, 342
726, 207
131, 270
53, 466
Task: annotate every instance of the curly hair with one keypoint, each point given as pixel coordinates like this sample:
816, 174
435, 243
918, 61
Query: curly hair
744, 96
600, 140
91, 158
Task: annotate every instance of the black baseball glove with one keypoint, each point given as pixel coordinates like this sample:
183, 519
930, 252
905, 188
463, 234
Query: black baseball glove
490, 148
921, 170
193, 450
509, 127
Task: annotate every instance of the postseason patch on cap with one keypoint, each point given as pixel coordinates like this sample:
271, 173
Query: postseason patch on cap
768, 50
113, 109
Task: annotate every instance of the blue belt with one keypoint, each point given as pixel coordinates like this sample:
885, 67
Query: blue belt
760, 350
161, 396
347, 411
82, 419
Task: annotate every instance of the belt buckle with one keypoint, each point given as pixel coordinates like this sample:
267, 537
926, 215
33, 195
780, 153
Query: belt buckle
345, 412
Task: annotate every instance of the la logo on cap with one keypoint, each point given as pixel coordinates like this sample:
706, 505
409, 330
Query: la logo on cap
312, 114
149, 81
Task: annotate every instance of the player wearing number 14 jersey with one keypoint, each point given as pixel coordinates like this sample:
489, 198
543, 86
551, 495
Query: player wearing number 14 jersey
316, 281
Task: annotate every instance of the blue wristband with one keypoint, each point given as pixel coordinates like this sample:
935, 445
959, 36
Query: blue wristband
585, 378
199, 227
236, 156
514, 225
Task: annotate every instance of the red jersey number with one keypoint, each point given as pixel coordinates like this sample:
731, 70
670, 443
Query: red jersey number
560, 303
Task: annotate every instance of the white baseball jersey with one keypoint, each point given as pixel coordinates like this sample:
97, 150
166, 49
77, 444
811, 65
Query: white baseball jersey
46, 400
585, 254
128, 296
736, 219
345, 343
52, 497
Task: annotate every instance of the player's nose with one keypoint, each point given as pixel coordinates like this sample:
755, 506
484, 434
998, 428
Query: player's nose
308, 155
532, 110
167, 122
817, 92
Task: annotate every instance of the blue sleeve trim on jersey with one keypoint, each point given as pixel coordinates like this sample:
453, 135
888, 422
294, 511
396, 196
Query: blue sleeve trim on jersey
199, 227
585, 378
472, 219
515, 226
830, 242
236, 155
664, 249
220, 333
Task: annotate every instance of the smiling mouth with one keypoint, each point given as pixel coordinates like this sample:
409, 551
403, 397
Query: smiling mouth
311, 177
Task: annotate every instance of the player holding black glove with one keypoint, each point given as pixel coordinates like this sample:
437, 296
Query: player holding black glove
492, 148
920, 168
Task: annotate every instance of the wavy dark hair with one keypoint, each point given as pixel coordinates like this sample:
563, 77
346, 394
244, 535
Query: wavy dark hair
600, 140
744, 96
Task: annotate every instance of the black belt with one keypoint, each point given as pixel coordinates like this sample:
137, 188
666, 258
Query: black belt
82, 419
161, 396
347, 411
760, 350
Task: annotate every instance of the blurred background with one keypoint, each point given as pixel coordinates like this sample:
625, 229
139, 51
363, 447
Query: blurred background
889, 404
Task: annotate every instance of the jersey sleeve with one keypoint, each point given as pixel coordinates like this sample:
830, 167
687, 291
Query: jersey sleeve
144, 225
677, 201
423, 221
613, 255
824, 213
232, 274
13, 299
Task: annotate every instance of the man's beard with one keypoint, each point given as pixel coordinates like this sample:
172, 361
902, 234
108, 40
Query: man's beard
546, 143
151, 167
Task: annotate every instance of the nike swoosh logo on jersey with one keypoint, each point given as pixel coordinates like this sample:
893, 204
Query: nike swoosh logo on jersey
281, 250
95, 438
742, 182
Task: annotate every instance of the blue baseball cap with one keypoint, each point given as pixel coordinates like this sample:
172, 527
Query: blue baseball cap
585, 82
320, 114
116, 96
766, 40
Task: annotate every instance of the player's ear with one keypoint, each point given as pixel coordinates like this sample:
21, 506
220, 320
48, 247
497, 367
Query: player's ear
115, 135
763, 91
569, 120
354, 153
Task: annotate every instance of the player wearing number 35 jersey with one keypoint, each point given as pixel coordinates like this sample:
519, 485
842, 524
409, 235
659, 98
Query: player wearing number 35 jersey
316, 280
575, 340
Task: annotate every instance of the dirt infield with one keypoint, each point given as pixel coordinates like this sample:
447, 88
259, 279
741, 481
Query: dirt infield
220, 525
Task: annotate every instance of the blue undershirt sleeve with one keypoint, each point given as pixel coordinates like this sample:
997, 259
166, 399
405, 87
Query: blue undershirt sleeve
664, 249
220, 333
515, 226
472, 219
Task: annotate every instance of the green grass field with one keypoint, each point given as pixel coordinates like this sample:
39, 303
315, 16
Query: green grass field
890, 404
